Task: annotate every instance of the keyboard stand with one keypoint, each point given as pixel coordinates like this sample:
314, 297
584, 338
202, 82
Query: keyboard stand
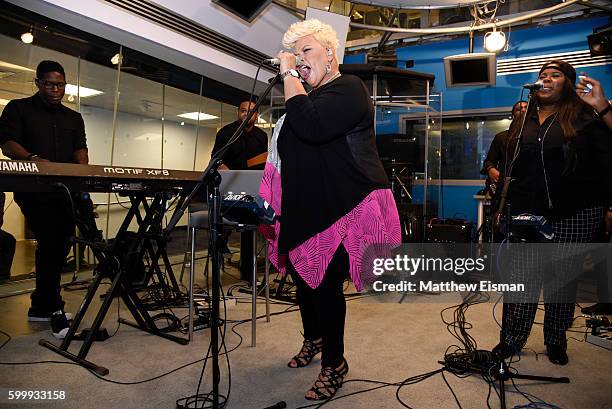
110, 267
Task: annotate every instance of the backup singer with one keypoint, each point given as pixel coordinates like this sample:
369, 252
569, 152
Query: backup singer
335, 196
562, 172
40, 128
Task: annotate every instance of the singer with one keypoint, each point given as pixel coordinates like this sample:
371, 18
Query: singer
562, 171
335, 193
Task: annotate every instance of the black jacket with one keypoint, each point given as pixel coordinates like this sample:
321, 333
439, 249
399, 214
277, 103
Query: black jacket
329, 159
555, 176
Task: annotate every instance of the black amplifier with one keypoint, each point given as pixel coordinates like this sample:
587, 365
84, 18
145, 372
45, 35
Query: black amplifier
449, 231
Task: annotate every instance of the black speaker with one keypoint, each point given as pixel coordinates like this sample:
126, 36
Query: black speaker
245, 9
599, 42
449, 231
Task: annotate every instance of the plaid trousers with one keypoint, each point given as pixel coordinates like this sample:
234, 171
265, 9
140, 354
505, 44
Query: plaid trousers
532, 266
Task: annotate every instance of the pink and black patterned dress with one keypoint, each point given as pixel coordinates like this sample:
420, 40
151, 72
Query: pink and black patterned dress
325, 182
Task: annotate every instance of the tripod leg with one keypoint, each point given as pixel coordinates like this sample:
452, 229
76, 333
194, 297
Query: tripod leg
563, 379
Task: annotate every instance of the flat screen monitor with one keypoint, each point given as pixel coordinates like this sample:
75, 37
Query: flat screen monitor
470, 69
245, 9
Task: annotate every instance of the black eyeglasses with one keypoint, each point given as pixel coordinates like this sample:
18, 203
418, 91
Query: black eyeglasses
50, 84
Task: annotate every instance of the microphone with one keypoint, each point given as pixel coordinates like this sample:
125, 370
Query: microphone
538, 85
276, 61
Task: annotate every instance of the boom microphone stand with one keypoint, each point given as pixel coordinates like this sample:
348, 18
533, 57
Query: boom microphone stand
212, 180
503, 373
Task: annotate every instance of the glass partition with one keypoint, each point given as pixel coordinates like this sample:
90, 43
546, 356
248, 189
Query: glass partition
466, 143
137, 113
408, 139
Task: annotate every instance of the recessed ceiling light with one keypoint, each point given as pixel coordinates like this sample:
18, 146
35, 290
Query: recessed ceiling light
82, 92
194, 115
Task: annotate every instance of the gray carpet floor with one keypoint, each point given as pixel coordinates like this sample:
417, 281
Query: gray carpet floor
385, 342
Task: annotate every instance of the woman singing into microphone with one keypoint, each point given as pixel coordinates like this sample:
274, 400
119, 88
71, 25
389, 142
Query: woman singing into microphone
562, 172
335, 198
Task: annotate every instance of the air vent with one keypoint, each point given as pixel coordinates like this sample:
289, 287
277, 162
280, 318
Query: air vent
533, 64
160, 15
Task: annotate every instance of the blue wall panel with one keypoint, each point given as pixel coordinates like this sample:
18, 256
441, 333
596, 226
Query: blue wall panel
458, 201
551, 39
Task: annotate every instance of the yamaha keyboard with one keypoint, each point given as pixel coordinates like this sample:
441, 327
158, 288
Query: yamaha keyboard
29, 176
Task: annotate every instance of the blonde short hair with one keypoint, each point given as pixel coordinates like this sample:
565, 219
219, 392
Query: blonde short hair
323, 33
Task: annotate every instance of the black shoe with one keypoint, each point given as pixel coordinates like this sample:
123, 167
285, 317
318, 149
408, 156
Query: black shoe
59, 324
36, 315
226, 253
598, 309
557, 355
508, 351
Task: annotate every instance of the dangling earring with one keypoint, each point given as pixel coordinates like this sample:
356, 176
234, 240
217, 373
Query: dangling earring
327, 68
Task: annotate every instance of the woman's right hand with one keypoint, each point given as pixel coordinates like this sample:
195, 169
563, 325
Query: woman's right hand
287, 61
595, 98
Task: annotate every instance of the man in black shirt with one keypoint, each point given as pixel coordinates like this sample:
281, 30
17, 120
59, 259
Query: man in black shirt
40, 128
251, 143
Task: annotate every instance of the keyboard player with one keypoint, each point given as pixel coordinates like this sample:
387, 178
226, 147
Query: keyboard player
40, 128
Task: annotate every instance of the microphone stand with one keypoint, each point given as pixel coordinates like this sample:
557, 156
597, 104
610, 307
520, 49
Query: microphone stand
503, 373
212, 180
402, 185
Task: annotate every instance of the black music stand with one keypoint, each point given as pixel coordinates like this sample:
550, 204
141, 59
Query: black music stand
503, 373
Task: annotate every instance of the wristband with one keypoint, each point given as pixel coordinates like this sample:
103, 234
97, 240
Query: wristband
604, 111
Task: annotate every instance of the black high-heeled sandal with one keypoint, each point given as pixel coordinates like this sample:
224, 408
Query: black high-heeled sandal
330, 380
307, 353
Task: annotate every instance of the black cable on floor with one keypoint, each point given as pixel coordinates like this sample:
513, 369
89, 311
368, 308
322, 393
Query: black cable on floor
206, 400
451, 390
